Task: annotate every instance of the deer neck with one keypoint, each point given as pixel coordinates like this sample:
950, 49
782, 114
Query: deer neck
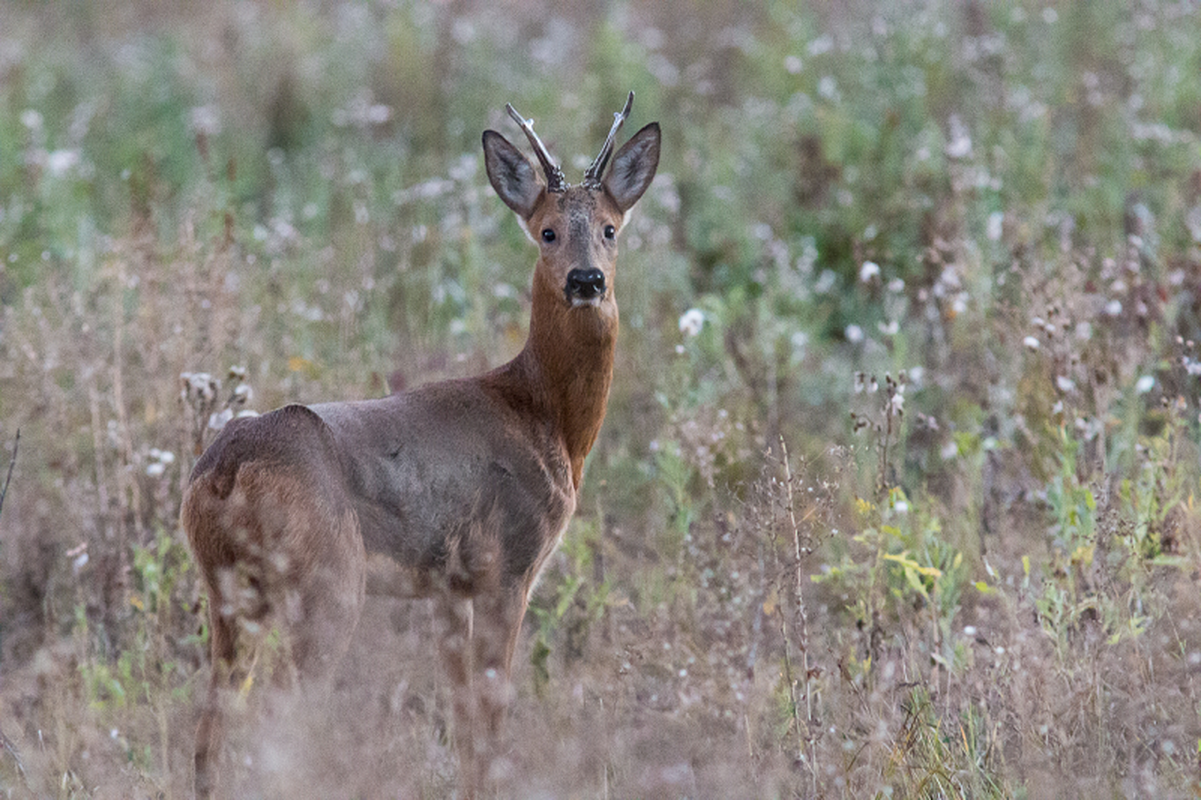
568, 363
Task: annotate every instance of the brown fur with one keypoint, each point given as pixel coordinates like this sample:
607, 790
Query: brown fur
457, 491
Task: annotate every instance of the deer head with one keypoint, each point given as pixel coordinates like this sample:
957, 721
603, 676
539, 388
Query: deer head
575, 227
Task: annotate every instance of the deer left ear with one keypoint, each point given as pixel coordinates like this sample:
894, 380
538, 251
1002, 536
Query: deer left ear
634, 167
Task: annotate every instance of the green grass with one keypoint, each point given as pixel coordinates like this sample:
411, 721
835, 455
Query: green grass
994, 594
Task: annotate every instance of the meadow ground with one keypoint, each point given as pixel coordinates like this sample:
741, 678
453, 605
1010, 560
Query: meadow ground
897, 494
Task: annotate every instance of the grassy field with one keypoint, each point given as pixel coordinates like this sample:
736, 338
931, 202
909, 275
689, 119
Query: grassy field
898, 491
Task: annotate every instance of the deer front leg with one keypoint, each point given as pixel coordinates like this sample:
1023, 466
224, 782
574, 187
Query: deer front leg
452, 621
476, 639
498, 616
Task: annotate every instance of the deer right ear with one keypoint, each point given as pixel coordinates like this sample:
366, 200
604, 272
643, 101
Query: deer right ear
511, 174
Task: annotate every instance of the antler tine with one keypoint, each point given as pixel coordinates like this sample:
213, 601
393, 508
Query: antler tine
555, 182
596, 170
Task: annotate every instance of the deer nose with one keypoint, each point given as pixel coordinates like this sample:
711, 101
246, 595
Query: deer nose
585, 284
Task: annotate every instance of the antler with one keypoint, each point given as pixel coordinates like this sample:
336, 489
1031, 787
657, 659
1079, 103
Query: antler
555, 182
592, 178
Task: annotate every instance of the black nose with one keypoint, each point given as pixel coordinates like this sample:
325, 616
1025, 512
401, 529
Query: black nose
585, 283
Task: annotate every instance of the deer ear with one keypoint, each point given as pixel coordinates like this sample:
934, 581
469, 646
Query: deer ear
633, 167
512, 175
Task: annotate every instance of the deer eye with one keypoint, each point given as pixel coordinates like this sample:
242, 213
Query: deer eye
610, 232
548, 235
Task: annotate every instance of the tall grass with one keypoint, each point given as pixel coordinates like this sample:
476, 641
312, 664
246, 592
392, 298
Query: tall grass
975, 226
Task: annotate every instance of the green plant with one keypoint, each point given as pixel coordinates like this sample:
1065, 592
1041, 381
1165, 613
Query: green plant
568, 605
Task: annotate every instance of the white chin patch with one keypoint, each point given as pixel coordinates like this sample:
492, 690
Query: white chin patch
582, 302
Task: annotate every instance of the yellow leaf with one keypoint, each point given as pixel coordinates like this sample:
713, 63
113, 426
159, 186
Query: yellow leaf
244, 689
298, 364
903, 559
770, 602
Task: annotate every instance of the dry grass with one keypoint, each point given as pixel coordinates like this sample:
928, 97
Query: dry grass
982, 585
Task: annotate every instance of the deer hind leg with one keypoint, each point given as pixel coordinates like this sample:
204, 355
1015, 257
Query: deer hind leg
331, 604
280, 565
210, 732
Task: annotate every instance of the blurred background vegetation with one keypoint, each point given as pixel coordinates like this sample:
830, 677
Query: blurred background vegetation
896, 494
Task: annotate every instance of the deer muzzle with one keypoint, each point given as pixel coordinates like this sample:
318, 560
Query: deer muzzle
585, 287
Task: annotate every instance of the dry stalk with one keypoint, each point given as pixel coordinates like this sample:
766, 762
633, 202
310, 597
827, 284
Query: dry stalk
12, 462
799, 630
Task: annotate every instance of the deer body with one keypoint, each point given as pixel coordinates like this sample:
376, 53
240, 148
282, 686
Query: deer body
456, 490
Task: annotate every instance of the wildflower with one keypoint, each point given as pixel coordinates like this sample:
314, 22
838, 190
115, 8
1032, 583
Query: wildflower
821, 46
78, 556
996, 224
827, 87
204, 120
825, 282
32, 119
159, 461
691, 322
799, 341
1031, 343
203, 385
217, 421
854, 334
60, 162
1145, 384
960, 145
1064, 383
868, 271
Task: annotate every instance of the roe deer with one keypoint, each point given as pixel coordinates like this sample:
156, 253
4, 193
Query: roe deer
456, 490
